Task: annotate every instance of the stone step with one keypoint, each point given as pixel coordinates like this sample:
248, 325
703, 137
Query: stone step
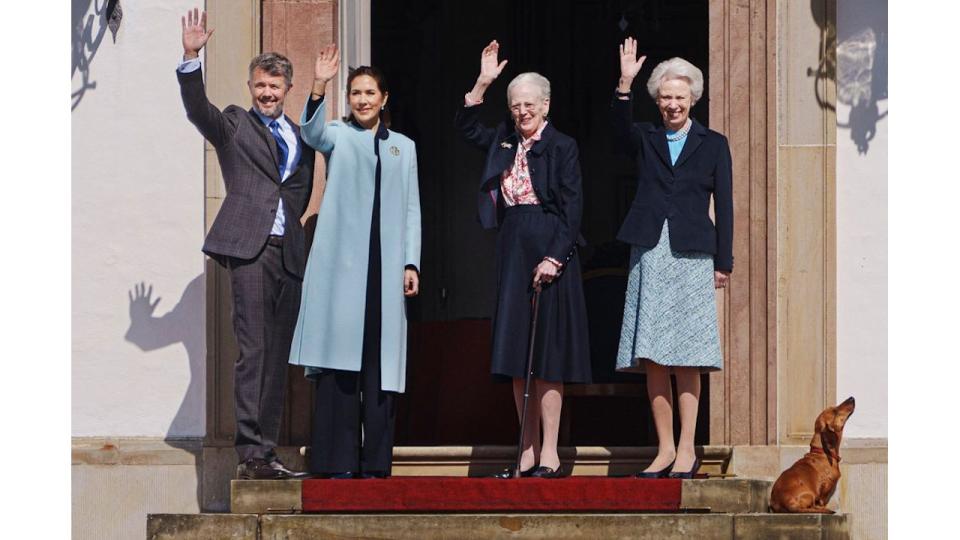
577, 460
713, 526
727, 495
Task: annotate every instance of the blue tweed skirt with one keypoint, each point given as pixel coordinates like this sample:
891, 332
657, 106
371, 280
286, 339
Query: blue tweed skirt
670, 311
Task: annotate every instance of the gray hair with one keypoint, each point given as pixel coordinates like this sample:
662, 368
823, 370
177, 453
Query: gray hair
676, 68
275, 64
532, 78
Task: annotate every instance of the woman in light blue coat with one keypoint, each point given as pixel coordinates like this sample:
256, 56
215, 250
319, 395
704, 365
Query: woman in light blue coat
351, 332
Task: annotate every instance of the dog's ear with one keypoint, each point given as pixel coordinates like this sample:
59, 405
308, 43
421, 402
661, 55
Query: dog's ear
820, 424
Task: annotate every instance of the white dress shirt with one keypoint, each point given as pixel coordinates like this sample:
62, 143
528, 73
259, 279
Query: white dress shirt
286, 131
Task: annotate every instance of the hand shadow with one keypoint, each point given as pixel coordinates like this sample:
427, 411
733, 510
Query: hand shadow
184, 324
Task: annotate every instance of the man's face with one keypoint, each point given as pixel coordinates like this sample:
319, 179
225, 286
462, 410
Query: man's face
268, 92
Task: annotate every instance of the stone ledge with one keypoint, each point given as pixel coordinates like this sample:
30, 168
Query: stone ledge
202, 527
135, 451
792, 526
470, 526
266, 496
731, 495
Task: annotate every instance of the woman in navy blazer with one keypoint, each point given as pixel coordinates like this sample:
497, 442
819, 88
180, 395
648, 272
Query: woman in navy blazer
678, 255
530, 191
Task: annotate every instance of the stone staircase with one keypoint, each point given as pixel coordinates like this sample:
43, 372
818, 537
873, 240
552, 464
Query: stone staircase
714, 508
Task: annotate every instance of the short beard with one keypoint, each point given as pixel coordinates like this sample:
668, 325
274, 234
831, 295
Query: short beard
279, 109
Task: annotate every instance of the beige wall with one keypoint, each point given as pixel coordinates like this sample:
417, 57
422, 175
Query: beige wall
862, 214
806, 263
137, 218
138, 372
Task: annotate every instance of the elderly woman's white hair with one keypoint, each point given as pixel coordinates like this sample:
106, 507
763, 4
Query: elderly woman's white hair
532, 78
676, 68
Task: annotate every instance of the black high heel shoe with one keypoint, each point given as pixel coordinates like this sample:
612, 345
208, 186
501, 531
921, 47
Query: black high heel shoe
662, 473
545, 472
507, 473
689, 474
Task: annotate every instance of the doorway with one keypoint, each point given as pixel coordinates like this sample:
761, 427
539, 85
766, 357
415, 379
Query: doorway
429, 51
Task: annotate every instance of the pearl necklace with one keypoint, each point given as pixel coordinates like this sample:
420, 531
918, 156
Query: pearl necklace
682, 133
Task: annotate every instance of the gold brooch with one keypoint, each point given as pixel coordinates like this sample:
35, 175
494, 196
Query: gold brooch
394, 150
505, 144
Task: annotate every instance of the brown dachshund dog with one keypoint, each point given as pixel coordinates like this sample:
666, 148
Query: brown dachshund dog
806, 487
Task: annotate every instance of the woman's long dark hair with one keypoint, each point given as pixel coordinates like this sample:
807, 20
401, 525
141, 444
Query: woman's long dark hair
381, 81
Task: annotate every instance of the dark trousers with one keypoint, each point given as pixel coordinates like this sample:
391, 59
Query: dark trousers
266, 300
353, 418
343, 402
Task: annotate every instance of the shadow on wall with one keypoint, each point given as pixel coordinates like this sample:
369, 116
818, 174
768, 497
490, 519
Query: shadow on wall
183, 324
89, 22
853, 53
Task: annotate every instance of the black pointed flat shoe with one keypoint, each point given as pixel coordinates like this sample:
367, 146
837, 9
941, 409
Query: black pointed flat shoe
545, 472
688, 475
507, 473
662, 473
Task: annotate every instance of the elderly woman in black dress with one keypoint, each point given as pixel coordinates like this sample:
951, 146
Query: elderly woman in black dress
530, 190
678, 254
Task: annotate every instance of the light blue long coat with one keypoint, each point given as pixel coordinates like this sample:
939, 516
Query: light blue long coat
329, 332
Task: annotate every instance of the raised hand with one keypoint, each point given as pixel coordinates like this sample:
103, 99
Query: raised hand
328, 64
489, 68
194, 32
629, 63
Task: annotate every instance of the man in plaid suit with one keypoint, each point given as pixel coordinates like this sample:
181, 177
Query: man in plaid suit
257, 236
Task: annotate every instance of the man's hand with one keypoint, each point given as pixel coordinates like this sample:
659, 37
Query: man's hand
195, 34
411, 283
720, 279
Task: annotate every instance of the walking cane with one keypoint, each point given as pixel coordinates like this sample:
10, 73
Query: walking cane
526, 384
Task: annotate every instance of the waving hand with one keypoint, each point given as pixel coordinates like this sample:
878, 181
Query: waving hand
629, 63
489, 68
194, 32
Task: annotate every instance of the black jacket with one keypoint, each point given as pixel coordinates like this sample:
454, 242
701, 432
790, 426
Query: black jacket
679, 193
247, 153
554, 164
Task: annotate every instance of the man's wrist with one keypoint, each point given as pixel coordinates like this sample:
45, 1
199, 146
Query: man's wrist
190, 55
624, 84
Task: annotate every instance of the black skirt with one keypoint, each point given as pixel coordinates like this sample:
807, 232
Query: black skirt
562, 349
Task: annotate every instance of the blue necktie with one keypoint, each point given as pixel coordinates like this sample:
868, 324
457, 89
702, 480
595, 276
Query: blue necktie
281, 147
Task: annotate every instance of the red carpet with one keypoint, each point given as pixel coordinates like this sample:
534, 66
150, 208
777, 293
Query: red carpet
451, 494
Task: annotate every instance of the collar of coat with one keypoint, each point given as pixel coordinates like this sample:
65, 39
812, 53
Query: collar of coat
658, 139
512, 141
382, 132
